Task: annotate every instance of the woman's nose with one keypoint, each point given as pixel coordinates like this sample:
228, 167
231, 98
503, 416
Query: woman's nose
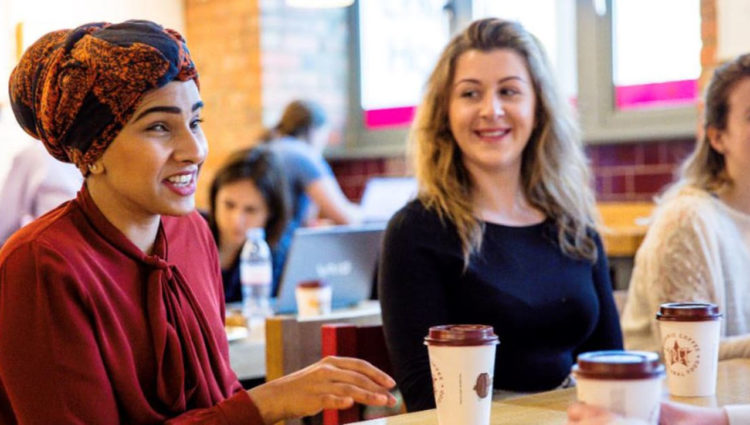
193, 147
493, 107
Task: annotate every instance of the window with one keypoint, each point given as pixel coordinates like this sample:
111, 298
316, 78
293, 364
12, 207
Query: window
631, 75
395, 63
643, 75
553, 24
638, 77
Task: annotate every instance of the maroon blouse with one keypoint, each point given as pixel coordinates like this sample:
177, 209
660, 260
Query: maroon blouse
94, 331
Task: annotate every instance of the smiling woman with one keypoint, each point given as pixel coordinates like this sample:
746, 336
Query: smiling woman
111, 307
502, 231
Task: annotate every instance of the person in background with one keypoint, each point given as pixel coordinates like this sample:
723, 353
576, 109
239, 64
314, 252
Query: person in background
670, 414
298, 139
36, 183
248, 191
698, 246
111, 305
502, 232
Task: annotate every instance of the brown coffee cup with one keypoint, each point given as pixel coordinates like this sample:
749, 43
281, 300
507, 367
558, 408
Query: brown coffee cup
462, 362
690, 335
628, 383
313, 298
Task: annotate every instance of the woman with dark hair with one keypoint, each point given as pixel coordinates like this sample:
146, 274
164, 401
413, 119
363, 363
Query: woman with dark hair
111, 306
502, 231
698, 246
298, 140
248, 191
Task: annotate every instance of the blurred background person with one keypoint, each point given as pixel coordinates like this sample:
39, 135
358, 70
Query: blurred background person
248, 191
698, 246
35, 184
502, 232
298, 140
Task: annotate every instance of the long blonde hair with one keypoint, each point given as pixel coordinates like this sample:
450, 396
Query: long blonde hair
704, 168
554, 172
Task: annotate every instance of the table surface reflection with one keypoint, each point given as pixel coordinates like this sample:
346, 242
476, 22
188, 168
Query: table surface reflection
548, 408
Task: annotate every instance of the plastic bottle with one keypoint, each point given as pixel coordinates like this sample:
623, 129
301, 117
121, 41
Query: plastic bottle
256, 273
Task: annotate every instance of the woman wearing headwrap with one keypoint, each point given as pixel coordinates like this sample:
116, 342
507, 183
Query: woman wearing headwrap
111, 305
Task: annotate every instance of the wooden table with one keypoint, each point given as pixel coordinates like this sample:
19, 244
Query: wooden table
549, 408
624, 226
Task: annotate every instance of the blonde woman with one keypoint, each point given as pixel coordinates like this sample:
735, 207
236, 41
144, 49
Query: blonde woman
502, 230
698, 246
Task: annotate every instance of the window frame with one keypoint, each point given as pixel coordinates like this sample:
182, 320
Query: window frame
600, 120
359, 141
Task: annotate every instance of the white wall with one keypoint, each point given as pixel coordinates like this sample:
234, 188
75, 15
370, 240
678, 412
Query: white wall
59, 14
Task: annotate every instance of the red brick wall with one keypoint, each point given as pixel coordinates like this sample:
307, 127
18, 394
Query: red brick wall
224, 40
622, 172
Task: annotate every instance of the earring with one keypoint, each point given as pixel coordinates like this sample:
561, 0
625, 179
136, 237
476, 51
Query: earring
94, 167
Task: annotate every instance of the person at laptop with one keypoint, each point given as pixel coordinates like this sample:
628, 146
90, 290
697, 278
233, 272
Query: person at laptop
248, 191
298, 139
502, 232
111, 306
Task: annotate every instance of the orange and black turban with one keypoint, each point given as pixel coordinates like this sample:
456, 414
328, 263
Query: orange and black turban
75, 89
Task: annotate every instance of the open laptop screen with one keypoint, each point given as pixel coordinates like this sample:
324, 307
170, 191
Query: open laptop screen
343, 256
383, 196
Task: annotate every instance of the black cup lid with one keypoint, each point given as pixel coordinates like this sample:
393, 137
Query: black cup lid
618, 365
461, 335
688, 312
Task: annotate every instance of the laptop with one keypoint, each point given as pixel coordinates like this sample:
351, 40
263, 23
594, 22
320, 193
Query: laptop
383, 196
343, 256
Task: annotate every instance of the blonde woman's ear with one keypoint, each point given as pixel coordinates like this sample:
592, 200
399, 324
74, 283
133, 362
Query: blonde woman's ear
715, 139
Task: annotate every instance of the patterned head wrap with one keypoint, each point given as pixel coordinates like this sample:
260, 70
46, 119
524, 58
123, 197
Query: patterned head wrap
75, 89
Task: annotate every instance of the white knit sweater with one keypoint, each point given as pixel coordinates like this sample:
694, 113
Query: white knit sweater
696, 249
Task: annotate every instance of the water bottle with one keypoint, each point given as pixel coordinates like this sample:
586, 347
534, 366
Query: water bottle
256, 273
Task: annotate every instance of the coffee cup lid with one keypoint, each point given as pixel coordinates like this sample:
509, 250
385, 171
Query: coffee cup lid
688, 312
618, 365
311, 284
461, 335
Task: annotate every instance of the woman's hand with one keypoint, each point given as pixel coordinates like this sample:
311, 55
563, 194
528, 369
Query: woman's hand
670, 414
682, 414
584, 414
332, 383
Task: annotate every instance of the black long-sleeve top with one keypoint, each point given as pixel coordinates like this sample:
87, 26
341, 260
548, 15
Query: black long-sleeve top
545, 306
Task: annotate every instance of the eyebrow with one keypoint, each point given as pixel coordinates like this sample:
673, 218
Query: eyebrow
502, 80
167, 109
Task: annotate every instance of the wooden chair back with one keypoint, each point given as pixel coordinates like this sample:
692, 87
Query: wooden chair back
363, 342
293, 343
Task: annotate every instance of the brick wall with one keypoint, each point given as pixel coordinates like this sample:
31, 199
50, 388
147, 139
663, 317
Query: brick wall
254, 56
224, 39
304, 56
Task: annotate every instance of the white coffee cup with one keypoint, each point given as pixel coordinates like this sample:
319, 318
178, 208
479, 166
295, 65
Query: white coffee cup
628, 383
462, 362
313, 298
690, 343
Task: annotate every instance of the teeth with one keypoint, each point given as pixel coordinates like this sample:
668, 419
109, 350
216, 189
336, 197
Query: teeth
181, 180
493, 133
